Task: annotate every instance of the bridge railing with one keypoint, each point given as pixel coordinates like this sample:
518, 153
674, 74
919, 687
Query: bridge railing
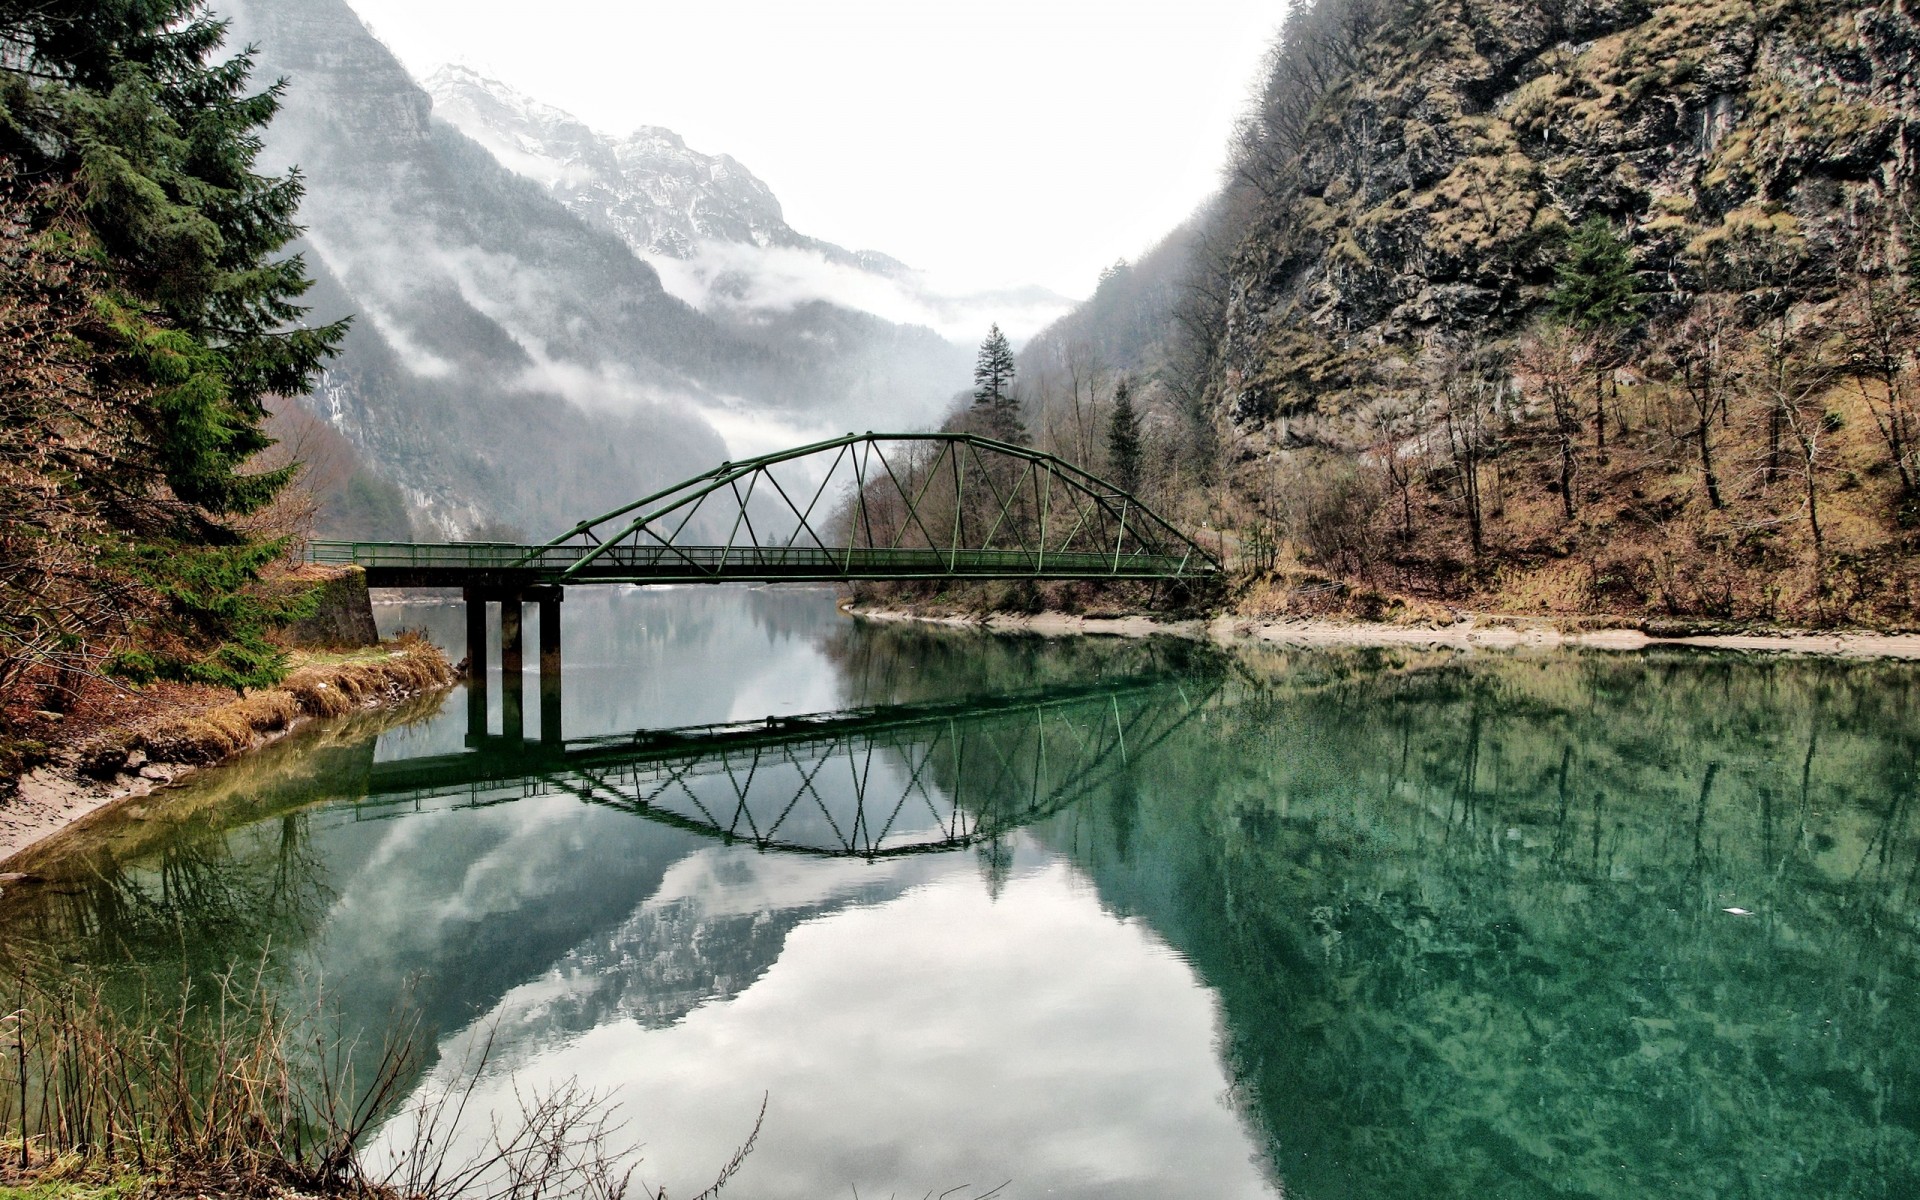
656, 561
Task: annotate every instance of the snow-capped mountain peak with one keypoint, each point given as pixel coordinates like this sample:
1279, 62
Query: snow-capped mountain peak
650, 187
711, 228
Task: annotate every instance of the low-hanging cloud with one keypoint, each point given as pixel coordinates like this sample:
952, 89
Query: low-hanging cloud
743, 278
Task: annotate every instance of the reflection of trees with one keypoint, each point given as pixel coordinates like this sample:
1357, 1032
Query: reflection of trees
194, 910
1467, 924
899, 663
218, 875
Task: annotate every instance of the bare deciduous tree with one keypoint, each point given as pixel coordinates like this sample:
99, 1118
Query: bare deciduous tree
1882, 341
1553, 361
1700, 350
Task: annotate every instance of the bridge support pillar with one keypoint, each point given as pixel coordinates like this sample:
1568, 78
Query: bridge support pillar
549, 599
512, 602
512, 680
476, 603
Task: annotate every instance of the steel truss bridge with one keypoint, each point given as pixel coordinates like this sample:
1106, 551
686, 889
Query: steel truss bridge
873, 506
875, 782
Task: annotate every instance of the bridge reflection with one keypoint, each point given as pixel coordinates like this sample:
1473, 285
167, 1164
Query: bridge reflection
873, 782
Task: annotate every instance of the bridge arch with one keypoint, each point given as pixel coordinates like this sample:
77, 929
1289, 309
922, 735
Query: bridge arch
872, 506
883, 506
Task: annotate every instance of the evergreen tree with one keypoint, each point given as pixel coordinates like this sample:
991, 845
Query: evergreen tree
993, 396
1123, 440
127, 149
1596, 292
1595, 289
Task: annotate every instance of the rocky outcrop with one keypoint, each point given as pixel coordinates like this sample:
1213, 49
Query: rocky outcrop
1436, 175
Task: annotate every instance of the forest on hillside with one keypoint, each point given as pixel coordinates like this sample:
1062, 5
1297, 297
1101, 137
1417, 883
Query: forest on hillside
1539, 307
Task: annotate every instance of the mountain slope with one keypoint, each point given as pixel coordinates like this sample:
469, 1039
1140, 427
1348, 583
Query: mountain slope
712, 229
660, 196
1381, 317
511, 361
1420, 164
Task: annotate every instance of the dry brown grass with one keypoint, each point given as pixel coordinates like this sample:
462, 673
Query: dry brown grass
331, 687
1646, 544
234, 1095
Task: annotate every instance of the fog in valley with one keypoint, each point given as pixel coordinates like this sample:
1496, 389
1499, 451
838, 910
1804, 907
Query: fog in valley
553, 315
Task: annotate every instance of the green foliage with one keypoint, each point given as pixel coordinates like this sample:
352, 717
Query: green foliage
127, 146
214, 628
1123, 440
1595, 288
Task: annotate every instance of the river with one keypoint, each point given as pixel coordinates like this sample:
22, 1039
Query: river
1096, 917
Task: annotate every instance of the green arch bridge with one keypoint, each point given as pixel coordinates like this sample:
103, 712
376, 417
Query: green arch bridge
872, 506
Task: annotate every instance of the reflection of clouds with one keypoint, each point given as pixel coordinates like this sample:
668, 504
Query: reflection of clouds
937, 1039
434, 870
724, 884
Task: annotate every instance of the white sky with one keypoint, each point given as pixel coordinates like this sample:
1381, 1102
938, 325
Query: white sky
990, 142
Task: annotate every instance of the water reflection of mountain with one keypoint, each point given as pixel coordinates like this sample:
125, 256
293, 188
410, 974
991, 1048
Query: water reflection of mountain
1465, 914
1469, 929
717, 923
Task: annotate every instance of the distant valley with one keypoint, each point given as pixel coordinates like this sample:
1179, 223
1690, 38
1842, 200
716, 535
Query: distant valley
549, 321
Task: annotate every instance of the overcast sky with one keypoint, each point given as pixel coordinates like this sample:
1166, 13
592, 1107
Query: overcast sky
991, 142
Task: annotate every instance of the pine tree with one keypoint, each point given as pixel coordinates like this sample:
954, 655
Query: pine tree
1123, 440
993, 397
1596, 292
127, 150
1595, 289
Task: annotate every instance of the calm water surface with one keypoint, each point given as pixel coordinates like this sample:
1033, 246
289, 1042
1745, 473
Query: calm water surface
1147, 919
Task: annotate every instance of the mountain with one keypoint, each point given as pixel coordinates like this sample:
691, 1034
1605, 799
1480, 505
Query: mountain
512, 364
1377, 354
710, 227
1420, 165
648, 187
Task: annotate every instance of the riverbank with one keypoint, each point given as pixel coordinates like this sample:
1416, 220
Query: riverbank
1465, 632
137, 741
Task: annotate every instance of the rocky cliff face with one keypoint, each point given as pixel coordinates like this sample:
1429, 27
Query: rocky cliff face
1425, 196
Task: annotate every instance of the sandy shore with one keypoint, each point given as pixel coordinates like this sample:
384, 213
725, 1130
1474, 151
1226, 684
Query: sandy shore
1471, 632
51, 798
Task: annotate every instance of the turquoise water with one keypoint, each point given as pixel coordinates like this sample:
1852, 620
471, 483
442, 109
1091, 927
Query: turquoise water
1101, 918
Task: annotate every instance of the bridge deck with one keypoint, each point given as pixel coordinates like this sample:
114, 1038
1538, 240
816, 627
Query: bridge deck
500, 564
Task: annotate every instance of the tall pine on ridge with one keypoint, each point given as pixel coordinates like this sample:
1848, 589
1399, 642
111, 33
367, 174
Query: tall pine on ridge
993, 389
1596, 292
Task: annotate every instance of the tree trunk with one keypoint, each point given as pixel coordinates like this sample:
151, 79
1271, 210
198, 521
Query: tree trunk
1566, 475
1599, 415
1775, 420
1813, 510
1706, 457
1472, 483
